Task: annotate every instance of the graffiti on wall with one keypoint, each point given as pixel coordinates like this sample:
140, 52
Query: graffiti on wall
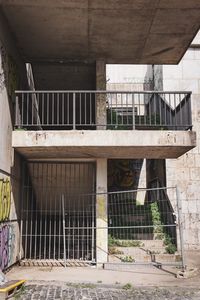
5, 199
7, 228
7, 245
123, 174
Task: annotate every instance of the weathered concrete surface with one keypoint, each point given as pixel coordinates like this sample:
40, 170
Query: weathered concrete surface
138, 31
103, 143
101, 211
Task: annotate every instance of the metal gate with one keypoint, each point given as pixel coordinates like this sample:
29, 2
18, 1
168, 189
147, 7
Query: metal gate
57, 221
145, 227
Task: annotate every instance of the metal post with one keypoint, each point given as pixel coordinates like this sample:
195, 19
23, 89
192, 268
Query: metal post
180, 224
17, 113
74, 111
133, 111
64, 241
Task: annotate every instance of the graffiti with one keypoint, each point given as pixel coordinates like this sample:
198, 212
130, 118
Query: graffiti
123, 174
5, 199
7, 239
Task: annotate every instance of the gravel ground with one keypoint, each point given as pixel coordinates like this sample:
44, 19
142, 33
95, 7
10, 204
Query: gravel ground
52, 291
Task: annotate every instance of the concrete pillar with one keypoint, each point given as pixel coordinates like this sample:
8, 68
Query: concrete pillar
101, 98
101, 212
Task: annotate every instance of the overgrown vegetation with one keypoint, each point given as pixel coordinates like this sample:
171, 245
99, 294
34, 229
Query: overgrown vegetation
113, 242
159, 233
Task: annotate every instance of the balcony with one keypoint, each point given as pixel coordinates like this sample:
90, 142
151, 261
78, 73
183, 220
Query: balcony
89, 124
91, 110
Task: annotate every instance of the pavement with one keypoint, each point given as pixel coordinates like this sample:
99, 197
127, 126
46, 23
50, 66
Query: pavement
78, 283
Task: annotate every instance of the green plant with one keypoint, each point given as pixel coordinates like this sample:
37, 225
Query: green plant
156, 220
114, 251
128, 259
112, 242
127, 286
170, 247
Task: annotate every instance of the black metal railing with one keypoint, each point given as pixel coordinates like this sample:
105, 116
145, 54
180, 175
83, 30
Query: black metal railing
114, 110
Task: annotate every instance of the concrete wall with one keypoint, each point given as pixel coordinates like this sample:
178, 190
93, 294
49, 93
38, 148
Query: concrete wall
63, 76
185, 171
12, 76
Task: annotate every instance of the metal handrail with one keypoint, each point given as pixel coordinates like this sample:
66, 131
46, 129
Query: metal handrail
113, 110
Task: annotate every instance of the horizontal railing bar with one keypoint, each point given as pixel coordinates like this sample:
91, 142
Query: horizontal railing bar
102, 92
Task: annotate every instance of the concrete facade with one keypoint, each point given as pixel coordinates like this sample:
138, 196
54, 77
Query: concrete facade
73, 54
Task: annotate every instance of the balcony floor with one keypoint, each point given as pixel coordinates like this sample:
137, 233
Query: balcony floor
103, 143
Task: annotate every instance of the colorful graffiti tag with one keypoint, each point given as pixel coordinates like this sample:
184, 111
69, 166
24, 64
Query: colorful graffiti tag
5, 199
7, 235
7, 239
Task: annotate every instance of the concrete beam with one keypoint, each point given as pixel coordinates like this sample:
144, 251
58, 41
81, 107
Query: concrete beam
139, 31
103, 143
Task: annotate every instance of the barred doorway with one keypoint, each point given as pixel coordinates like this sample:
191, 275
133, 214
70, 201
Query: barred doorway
58, 211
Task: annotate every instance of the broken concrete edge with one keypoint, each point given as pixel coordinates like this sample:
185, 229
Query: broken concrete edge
187, 273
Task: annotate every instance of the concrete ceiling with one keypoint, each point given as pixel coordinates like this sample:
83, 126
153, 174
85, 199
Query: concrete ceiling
137, 31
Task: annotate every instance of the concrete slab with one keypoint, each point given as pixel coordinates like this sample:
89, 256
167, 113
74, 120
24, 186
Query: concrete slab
138, 276
116, 31
103, 143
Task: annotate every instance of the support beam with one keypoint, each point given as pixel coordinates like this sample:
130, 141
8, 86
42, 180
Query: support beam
101, 99
101, 212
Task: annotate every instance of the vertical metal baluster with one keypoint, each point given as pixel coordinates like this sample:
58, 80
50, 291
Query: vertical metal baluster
36, 216
42, 96
41, 208
74, 111
133, 110
64, 238
51, 172
63, 108
47, 111
68, 108
175, 111
27, 108
45, 200
85, 109
181, 105
53, 121
22, 117
90, 118
139, 104
80, 108
57, 108
31, 220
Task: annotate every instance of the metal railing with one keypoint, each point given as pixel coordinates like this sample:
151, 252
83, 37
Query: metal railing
114, 110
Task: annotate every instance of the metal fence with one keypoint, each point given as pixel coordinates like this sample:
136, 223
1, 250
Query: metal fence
58, 219
144, 230
114, 110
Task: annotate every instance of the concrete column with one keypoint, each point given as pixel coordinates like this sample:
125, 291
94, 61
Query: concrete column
101, 212
101, 98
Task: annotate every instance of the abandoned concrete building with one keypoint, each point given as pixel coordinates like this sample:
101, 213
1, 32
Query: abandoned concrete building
94, 172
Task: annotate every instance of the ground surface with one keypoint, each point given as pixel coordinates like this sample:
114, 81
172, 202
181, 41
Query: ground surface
82, 283
56, 291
